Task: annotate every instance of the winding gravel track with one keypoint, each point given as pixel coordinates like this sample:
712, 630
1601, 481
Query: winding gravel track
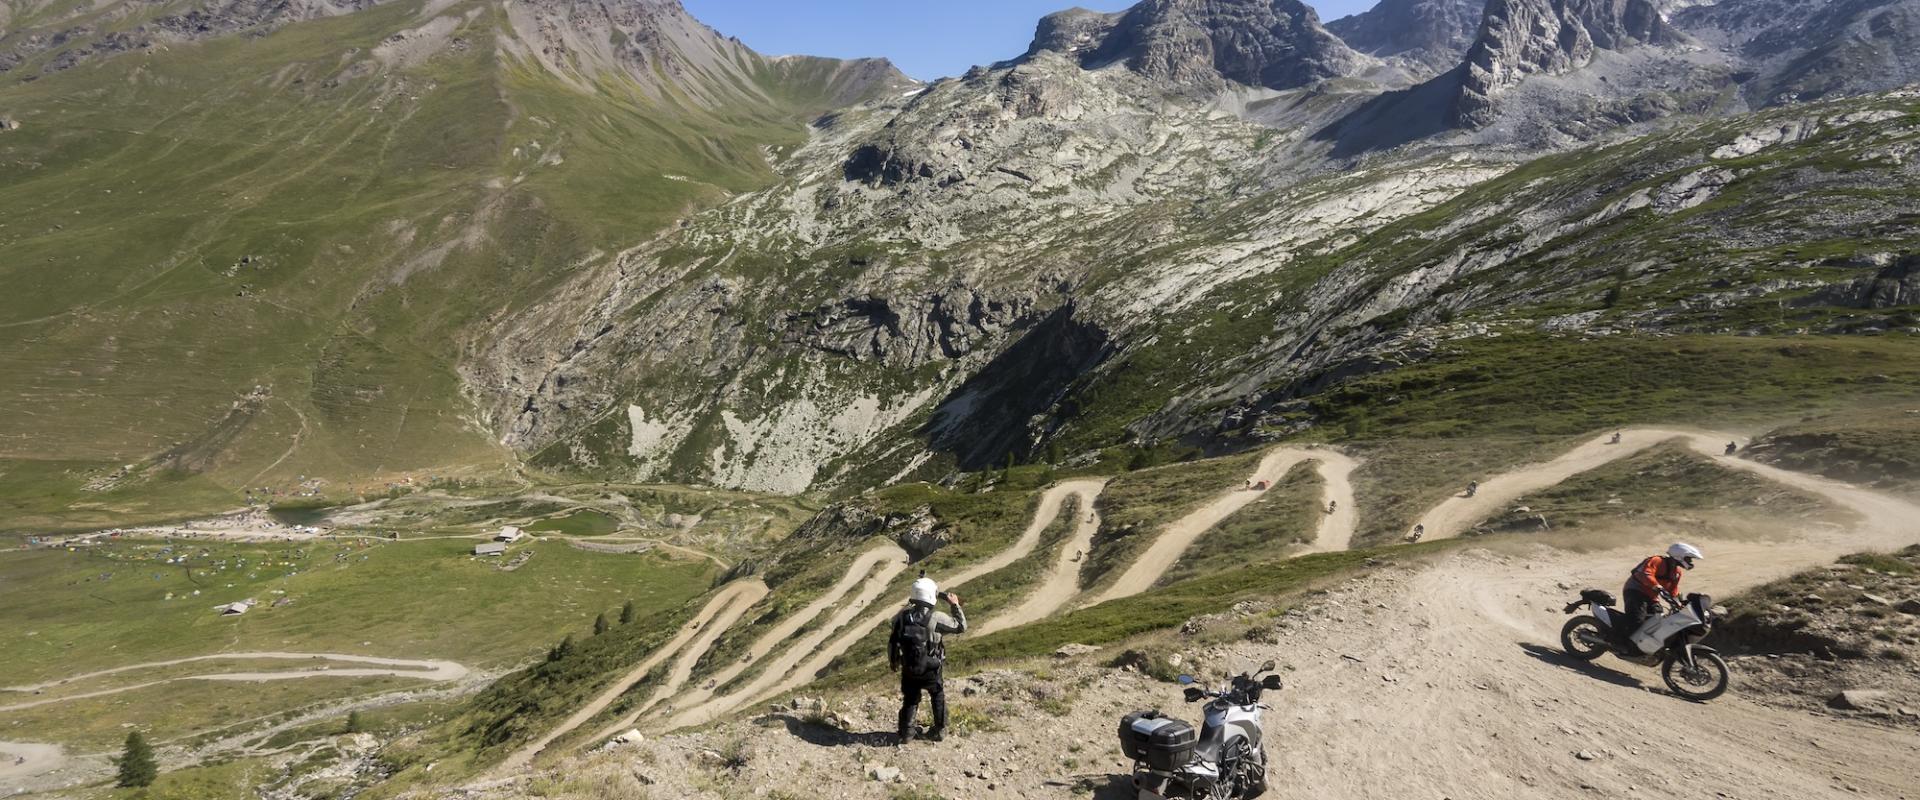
436, 671
779, 674
817, 660
1887, 522
1180, 534
1062, 582
724, 609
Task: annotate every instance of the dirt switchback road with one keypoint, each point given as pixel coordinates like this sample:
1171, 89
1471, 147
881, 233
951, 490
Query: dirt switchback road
889, 563
720, 613
1172, 541
1062, 582
816, 660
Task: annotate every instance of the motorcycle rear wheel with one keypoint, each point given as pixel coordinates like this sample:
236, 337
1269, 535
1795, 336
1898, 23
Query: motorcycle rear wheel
1707, 679
1583, 638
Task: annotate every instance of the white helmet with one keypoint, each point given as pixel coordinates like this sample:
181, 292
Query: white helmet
1684, 553
923, 590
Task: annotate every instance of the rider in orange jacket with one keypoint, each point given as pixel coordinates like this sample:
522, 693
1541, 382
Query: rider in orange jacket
1657, 578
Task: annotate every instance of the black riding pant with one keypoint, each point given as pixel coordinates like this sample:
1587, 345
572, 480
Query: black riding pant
1637, 608
910, 688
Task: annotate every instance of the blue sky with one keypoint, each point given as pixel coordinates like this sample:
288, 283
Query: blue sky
926, 38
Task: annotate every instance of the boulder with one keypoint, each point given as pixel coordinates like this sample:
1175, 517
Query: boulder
883, 773
1074, 650
1910, 605
1859, 700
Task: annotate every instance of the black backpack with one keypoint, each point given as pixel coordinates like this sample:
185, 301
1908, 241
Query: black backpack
918, 657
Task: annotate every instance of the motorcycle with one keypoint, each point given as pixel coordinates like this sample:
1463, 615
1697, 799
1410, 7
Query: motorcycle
1670, 641
1224, 760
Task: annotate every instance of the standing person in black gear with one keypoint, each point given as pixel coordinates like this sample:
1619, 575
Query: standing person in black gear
917, 648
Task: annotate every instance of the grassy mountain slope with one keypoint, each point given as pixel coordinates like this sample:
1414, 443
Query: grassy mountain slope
255, 258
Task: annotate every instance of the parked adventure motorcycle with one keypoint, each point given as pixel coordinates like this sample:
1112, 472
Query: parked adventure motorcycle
1224, 760
1670, 641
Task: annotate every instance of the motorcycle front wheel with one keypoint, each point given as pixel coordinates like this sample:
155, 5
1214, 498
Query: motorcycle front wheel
1705, 680
1244, 771
1583, 639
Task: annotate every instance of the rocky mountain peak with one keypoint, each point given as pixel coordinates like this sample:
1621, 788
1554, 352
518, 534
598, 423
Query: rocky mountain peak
665, 50
1430, 35
1202, 44
1519, 38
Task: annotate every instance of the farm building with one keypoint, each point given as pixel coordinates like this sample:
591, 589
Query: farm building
509, 534
490, 549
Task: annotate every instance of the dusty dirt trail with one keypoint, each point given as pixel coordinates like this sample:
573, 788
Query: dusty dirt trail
1458, 513
720, 613
876, 566
1460, 691
699, 709
1180, 534
1062, 582
804, 672
436, 671
32, 759
1336, 487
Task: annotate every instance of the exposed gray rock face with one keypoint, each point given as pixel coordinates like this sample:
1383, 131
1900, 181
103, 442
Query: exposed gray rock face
1520, 38
1075, 30
1199, 44
1428, 36
1803, 50
999, 261
1894, 286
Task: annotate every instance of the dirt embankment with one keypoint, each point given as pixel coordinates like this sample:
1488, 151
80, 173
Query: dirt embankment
1842, 639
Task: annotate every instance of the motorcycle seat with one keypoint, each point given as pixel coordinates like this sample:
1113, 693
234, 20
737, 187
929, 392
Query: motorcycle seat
1597, 597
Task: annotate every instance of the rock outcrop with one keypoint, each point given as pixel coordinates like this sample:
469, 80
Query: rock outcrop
1198, 45
1427, 36
1519, 38
1795, 51
666, 51
1894, 286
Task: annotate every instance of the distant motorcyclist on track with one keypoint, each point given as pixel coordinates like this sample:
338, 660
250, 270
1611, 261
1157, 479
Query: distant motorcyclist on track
1655, 580
1615, 439
1733, 447
916, 648
1332, 505
1473, 488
